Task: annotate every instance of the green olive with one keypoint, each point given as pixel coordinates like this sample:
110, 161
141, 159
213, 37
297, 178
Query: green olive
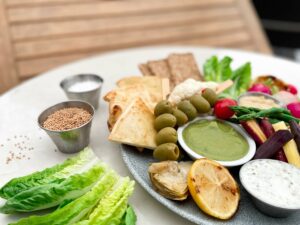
162, 107
210, 96
200, 103
181, 117
166, 135
167, 151
186, 107
164, 120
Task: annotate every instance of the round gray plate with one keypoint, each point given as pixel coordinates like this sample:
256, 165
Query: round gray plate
138, 164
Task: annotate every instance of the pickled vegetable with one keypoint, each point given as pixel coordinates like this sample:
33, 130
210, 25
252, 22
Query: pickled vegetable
200, 103
166, 135
295, 129
273, 144
167, 151
210, 96
164, 120
181, 117
290, 148
187, 107
162, 107
253, 129
268, 130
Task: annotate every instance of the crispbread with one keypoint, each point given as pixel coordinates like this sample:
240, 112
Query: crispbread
183, 66
145, 70
135, 126
159, 68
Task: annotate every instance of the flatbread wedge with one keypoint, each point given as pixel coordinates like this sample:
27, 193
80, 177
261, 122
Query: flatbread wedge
135, 126
157, 87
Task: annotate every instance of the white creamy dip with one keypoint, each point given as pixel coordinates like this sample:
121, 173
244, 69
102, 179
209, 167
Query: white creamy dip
274, 182
83, 86
188, 88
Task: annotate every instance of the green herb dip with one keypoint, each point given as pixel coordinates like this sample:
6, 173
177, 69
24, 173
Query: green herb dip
216, 140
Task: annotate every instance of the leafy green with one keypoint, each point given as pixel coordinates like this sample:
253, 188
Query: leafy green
84, 191
112, 207
53, 175
220, 71
77, 209
217, 71
129, 217
50, 195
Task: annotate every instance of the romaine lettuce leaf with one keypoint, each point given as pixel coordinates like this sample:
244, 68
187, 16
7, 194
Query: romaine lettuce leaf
220, 71
77, 209
112, 207
50, 195
241, 81
54, 175
129, 217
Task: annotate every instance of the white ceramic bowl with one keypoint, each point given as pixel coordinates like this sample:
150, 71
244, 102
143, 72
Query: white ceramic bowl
239, 129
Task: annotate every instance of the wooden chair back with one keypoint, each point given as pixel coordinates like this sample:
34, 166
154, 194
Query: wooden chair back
37, 35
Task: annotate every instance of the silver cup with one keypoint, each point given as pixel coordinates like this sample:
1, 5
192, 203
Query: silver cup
72, 140
91, 96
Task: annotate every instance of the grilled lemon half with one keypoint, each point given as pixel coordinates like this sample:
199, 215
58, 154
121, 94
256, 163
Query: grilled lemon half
213, 189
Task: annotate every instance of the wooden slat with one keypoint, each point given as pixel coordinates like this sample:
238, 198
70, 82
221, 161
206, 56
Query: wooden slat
29, 68
255, 30
221, 40
33, 66
117, 40
105, 8
120, 24
22, 3
8, 73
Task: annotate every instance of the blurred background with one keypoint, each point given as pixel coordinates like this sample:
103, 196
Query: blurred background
281, 21
38, 35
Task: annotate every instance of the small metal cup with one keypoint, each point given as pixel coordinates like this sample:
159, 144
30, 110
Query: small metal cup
90, 96
72, 140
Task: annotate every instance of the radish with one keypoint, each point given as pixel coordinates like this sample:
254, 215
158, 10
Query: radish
292, 89
294, 109
260, 88
222, 109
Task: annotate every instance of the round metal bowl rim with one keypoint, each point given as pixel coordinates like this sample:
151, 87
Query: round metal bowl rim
240, 130
60, 131
61, 84
249, 93
256, 197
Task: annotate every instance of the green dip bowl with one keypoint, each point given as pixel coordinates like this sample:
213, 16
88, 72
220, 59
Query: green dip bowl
246, 143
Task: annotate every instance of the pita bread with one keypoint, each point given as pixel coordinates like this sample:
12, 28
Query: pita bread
157, 87
135, 126
124, 95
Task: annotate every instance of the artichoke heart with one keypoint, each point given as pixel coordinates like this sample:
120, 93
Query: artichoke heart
169, 178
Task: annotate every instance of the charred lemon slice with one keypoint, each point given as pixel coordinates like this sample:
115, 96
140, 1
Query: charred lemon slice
213, 189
